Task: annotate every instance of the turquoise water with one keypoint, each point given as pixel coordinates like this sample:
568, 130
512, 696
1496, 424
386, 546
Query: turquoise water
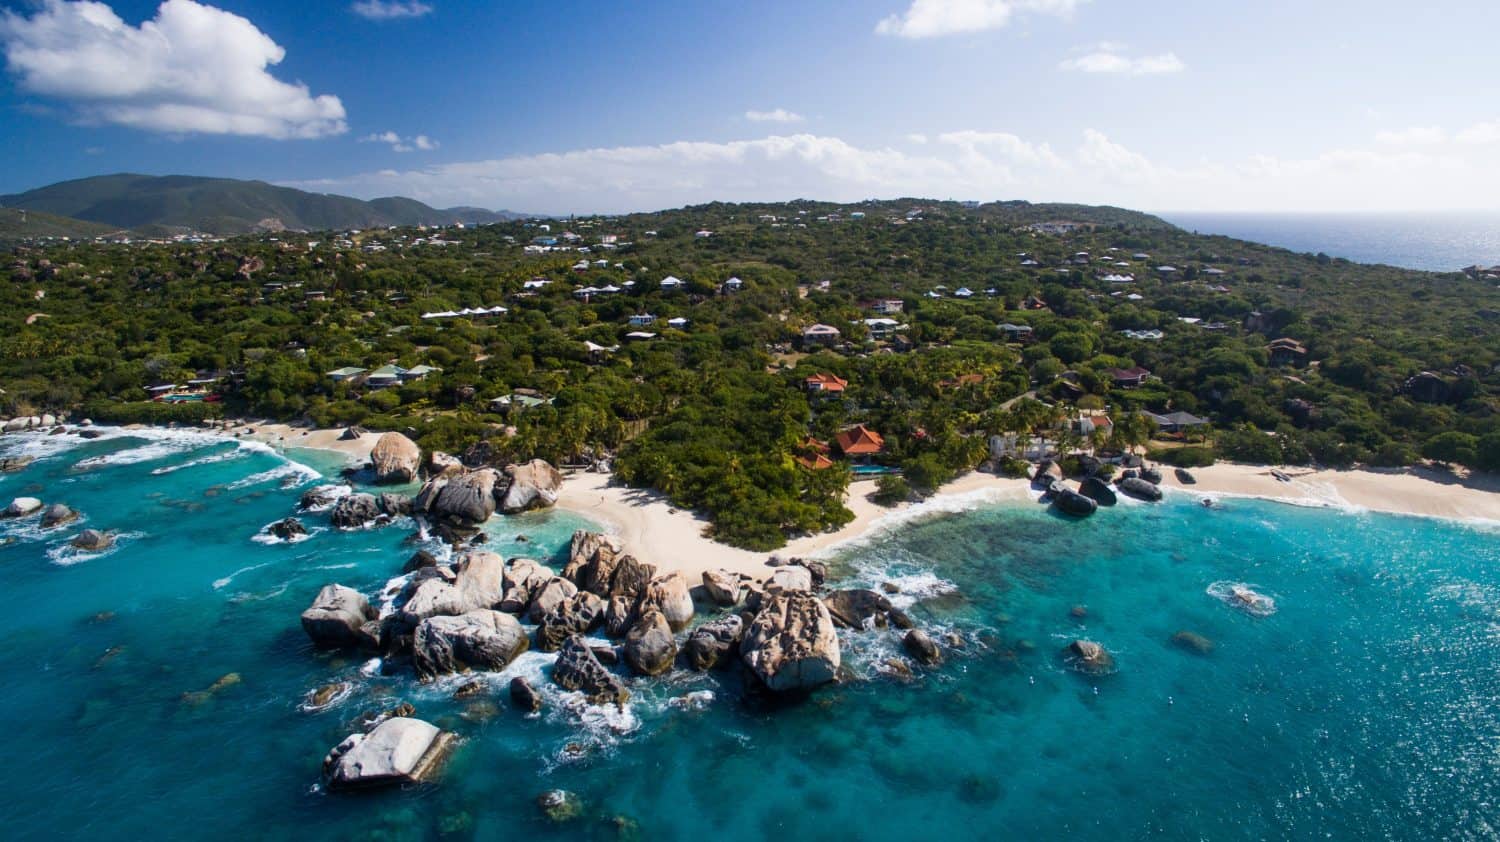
1367, 706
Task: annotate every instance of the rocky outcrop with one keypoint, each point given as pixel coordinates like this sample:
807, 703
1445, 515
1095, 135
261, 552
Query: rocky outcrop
920, 645
288, 529
466, 499
864, 609
724, 587
668, 594
1139, 489
793, 577
395, 458
1151, 475
12, 464
1089, 658
394, 505
322, 497
524, 696
355, 511
577, 668
649, 647
1427, 387
340, 617
533, 485
57, 515
792, 644
1071, 503
1047, 472
93, 541
1097, 490
440, 464
484, 640
552, 593
619, 616
399, 750
714, 643
584, 555
523, 579
580, 614
475, 582
21, 507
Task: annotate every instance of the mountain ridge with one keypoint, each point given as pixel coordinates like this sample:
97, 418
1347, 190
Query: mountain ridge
225, 206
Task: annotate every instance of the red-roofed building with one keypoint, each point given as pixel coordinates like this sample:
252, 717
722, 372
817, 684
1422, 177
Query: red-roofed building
816, 462
859, 440
828, 383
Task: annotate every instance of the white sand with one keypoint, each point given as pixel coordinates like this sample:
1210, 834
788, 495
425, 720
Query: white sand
1417, 491
673, 539
286, 435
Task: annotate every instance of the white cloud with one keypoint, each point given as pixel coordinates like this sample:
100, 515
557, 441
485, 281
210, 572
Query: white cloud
1109, 57
917, 137
984, 165
1480, 133
780, 115
934, 18
1415, 136
390, 9
416, 143
190, 69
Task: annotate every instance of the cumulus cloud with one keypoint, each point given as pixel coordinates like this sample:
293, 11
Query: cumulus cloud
1110, 57
415, 143
390, 9
1094, 168
780, 115
934, 18
1415, 136
190, 69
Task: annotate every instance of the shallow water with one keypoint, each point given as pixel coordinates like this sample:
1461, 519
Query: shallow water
1364, 707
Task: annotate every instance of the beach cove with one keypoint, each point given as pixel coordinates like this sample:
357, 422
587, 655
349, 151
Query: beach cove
1359, 705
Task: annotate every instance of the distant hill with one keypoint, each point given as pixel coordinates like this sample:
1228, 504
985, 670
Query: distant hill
27, 225
226, 206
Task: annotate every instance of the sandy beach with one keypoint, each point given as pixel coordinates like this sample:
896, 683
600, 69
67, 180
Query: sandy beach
1415, 491
673, 539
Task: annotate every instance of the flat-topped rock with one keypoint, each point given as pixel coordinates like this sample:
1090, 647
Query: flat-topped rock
399, 750
21, 507
478, 640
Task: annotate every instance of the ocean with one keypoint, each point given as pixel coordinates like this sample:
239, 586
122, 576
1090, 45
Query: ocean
1438, 242
1366, 705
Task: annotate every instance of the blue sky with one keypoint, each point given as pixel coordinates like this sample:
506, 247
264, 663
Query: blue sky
594, 106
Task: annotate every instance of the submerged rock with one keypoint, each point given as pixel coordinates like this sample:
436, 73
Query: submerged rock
324, 697
395, 458
1193, 642
524, 696
57, 515
792, 643
483, 639
12, 464
577, 668
533, 485
559, 805
1089, 658
322, 496
649, 647
919, 645
859, 608
399, 750
339, 617
92, 540
288, 529
355, 511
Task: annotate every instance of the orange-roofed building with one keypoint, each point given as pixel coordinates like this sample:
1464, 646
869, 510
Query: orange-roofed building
816, 462
826, 383
860, 440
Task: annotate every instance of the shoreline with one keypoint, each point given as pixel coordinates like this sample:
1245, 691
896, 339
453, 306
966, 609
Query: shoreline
673, 538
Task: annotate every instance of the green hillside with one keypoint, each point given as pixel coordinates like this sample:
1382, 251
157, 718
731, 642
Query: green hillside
224, 206
27, 225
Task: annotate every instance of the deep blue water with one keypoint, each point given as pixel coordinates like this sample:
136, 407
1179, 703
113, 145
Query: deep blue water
1439, 242
1366, 707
